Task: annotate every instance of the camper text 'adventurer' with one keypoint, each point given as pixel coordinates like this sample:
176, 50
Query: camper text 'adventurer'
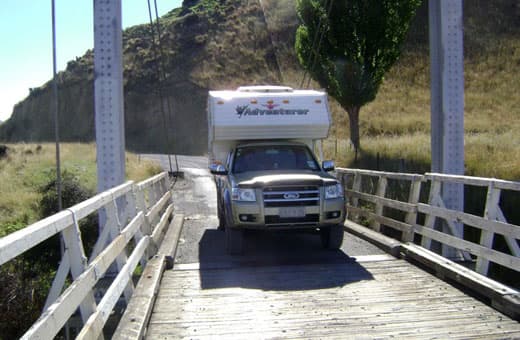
246, 111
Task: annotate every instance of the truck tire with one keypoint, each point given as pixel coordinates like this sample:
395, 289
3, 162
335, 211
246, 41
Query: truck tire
332, 237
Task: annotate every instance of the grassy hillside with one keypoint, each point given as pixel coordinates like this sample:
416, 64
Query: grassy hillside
217, 44
207, 44
26, 168
397, 124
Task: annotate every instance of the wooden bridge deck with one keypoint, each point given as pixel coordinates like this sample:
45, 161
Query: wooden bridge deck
371, 297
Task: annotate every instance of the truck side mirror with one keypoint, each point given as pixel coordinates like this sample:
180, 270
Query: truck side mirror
328, 165
217, 169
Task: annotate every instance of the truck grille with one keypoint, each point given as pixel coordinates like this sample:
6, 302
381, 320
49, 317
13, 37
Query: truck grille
277, 220
291, 196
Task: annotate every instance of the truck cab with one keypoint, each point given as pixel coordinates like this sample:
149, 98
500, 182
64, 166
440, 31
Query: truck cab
273, 183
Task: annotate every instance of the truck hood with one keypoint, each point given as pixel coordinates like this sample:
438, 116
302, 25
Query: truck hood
257, 179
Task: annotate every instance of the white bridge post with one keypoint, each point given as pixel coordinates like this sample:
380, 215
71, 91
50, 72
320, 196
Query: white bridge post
447, 100
108, 97
108, 93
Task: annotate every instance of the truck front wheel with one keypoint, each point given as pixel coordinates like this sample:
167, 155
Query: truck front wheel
221, 216
332, 237
234, 236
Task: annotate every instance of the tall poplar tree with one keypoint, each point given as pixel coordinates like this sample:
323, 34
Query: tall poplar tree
347, 46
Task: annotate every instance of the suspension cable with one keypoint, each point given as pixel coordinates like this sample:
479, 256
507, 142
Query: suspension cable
55, 107
160, 70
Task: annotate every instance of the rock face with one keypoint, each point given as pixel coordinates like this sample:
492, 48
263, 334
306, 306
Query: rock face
205, 44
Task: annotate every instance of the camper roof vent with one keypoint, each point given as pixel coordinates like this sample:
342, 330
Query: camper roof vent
265, 89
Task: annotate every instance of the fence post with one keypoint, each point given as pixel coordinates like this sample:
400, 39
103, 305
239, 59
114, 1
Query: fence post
78, 263
114, 226
152, 196
411, 217
380, 192
435, 192
141, 206
356, 186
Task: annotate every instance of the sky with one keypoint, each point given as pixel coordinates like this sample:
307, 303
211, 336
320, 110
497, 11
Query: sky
26, 40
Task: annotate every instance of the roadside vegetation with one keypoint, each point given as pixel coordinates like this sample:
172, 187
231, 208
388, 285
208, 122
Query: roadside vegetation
27, 168
397, 124
28, 194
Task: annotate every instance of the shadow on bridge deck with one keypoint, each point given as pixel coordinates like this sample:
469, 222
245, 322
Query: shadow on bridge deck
277, 250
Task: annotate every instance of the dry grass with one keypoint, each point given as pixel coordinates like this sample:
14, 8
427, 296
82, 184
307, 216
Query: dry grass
28, 167
397, 124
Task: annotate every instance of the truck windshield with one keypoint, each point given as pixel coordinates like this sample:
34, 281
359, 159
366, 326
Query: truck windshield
269, 157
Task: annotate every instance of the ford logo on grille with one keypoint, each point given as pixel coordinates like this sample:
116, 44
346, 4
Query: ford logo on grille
291, 196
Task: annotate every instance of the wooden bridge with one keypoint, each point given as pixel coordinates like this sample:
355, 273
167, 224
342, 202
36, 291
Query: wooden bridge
285, 285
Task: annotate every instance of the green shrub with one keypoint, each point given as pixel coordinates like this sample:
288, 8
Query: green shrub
26, 280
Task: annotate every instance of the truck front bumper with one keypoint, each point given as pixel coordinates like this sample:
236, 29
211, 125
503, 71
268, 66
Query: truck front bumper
253, 215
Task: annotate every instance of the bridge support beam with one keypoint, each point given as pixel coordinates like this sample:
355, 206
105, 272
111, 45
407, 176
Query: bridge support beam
108, 94
447, 99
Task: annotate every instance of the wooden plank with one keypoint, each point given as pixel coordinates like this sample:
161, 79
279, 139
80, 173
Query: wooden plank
378, 211
276, 302
20, 241
91, 205
433, 196
154, 211
168, 246
158, 230
426, 256
356, 186
411, 217
506, 229
476, 181
504, 298
59, 280
134, 321
152, 180
386, 243
387, 202
53, 319
294, 316
476, 249
114, 225
401, 226
94, 325
78, 264
24, 239
101, 242
374, 173
486, 237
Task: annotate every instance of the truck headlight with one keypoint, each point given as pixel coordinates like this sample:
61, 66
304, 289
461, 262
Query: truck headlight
248, 195
333, 191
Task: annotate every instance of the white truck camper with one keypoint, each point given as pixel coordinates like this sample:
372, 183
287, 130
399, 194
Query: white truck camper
261, 142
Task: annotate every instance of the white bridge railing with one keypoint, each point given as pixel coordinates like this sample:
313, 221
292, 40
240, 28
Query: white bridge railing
135, 217
370, 196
